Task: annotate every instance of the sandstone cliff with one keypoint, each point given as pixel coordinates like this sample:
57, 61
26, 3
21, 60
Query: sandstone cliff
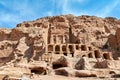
100, 32
62, 41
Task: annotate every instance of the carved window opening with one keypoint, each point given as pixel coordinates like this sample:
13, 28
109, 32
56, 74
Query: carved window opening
72, 54
63, 48
97, 54
70, 47
83, 48
90, 48
57, 48
50, 47
54, 39
77, 47
106, 56
90, 55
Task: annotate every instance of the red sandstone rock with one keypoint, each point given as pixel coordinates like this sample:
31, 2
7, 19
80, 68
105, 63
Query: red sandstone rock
47, 39
85, 73
65, 72
83, 64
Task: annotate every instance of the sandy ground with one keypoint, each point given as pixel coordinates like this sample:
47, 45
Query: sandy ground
55, 77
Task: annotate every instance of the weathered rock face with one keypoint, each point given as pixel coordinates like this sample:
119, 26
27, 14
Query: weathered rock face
64, 61
65, 72
83, 64
34, 67
85, 73
79, 38
6, 51
79, 30
21, 47
108, 64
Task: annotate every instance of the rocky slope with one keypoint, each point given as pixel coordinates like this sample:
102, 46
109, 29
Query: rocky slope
32, 36
85, 29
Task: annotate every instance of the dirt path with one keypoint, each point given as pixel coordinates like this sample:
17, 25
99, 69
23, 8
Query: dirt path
55, 77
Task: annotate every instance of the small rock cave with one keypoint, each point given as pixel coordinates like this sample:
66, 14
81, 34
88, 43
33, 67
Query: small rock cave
116, 76
57, 65
106, 56
38, 71
112, 72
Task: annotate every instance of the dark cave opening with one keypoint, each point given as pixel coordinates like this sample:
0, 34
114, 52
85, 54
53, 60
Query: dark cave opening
38, 71
56, 66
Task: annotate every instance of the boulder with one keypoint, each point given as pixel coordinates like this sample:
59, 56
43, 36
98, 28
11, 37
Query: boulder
65, 71
85, 73
64, 61
77, 73
83, 64
112, 64
35, 67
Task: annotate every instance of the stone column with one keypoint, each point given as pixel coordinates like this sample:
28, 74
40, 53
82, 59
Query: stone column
51, 39
93, 55
61, 49
67, 49
74, 47
63, 41
50, 57
54, 39
53, 48
67, 39
46, 49
57, 40
110, 55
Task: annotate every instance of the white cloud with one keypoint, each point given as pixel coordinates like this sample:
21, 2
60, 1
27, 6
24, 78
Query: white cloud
8, 19
1, 2
80, 1
49, 13
67, 9
107, 9
24, 11
19, 12
102, 12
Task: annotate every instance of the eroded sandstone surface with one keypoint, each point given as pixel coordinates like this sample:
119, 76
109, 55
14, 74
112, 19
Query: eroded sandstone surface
77, 46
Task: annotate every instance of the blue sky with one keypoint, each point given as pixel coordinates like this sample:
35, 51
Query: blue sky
13, 12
